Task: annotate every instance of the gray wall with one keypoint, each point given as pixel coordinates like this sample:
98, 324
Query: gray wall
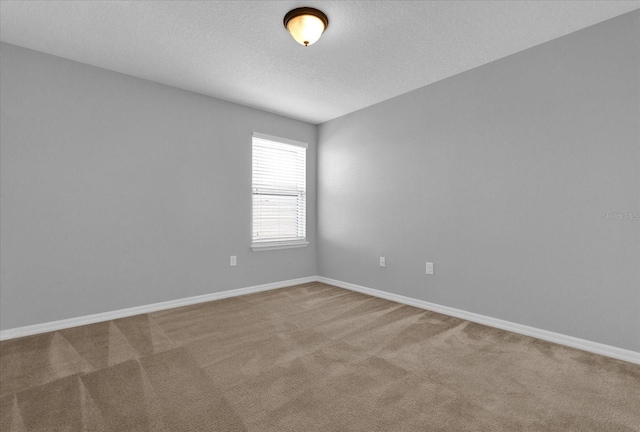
500, 176
118, 192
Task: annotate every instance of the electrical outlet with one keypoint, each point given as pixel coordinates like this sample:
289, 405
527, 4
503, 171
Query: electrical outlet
382, 262
233, 260
429, 268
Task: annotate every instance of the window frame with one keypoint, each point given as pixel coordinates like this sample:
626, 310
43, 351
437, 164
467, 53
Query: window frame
264, 245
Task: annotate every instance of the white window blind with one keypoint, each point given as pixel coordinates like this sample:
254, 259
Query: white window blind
279, 191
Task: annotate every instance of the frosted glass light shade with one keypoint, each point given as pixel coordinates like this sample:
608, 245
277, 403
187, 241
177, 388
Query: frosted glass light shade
306, 25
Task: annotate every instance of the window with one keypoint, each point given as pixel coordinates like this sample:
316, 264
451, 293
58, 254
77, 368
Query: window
279, 184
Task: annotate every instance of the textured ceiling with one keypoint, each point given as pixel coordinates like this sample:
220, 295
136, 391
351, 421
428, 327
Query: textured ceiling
239, 51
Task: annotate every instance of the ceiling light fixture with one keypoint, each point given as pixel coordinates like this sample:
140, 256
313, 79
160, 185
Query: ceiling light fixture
306, 24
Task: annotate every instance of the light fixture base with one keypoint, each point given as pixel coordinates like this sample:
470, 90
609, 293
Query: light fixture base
306, 11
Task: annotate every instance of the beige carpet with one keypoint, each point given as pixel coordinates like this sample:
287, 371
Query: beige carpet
308, 358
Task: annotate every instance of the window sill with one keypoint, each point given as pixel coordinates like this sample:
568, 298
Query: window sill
257, 247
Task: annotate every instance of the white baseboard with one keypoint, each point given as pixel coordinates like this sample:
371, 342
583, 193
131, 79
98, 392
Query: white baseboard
581, 344
123, 313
